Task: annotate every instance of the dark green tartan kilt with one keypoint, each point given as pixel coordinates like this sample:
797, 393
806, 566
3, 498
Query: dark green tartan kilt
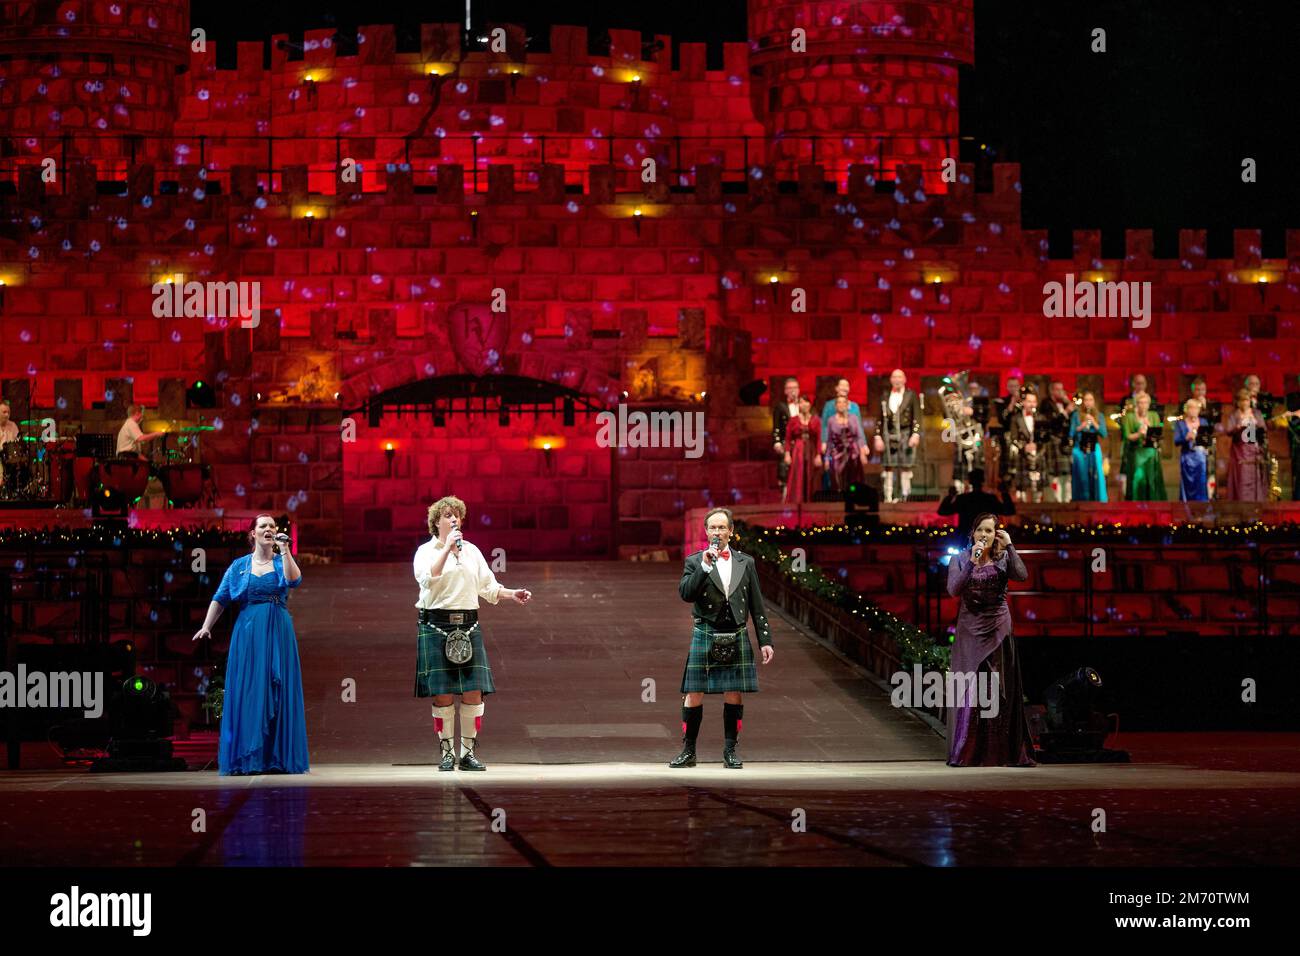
704, 677
435, 675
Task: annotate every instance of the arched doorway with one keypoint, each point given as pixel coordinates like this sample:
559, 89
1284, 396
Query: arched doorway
522, 453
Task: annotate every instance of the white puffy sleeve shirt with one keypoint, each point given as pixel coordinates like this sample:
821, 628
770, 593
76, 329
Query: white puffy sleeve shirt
465, 578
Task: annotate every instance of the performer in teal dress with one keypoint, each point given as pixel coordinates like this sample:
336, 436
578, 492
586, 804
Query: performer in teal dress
1087, 467
263, 724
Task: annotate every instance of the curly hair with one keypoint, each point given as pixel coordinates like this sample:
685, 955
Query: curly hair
442, 504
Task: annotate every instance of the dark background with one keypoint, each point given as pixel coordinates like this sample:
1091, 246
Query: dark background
1150, 134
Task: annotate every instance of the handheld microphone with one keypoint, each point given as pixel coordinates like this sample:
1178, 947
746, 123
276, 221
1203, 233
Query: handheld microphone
282, 538
460, 544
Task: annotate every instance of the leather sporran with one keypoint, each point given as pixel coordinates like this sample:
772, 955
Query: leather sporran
458, 648
724, 648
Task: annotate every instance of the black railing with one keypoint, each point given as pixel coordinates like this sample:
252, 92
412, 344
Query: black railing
208, 159
1260, 576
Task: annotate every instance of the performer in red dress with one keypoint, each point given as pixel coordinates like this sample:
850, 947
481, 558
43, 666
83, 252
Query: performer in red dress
801, 435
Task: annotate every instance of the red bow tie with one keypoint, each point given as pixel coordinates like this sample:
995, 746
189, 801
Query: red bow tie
725, 555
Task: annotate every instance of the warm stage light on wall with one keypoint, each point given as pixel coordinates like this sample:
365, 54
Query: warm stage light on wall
390, 449
938, 275
547, 444
636, 219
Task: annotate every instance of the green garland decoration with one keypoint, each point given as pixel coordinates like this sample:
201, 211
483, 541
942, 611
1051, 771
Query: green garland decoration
915, 646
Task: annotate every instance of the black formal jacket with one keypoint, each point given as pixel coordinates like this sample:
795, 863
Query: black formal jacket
1018, 434
909, 416
780, 419
704, 588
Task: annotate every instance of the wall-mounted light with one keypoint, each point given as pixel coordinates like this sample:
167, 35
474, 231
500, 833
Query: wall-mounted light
2, 295
636, 219
309, 80
547, 445
311, 219
774, 283
390, 450
473, 223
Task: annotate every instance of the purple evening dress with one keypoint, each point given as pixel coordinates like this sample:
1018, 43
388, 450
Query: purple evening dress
983, 642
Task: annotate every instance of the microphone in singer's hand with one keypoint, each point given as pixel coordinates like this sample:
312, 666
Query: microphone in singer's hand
282, 538
455, 526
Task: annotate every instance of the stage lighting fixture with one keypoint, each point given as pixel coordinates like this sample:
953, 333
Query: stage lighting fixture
141, 723
201, 395
1076, 732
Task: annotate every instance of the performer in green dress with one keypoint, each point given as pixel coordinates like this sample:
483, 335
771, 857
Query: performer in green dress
1142, 464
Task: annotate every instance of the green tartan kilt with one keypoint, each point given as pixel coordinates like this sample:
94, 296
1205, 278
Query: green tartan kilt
703, 676
435, 675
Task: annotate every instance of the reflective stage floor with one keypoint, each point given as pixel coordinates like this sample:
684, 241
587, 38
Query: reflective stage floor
576, 758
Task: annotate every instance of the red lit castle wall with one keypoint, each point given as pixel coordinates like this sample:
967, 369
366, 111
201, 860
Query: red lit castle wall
675, 305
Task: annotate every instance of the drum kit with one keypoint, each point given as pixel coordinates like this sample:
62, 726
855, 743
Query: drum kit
68, 468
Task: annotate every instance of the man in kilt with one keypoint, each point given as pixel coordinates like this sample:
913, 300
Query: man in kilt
450, 656
722, 583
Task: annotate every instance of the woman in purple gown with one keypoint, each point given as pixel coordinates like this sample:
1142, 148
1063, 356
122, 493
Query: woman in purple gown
1247, 475
845, 451
983, 643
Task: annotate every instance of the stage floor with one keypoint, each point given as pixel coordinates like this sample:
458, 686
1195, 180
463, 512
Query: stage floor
577, 771
1232, 803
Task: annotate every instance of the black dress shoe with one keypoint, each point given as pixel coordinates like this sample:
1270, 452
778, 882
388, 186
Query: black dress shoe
469, 762
730, 760
684, 759
448, 761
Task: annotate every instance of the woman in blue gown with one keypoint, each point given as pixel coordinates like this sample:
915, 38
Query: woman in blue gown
1087, 472
1192, 472
263, 724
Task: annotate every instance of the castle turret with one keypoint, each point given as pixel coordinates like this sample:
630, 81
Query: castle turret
867, 82
91, 79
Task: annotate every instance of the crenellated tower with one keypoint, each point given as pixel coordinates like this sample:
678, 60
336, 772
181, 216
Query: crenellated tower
875, 82
94, 79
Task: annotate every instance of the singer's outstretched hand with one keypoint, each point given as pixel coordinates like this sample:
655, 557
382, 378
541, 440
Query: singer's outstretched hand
522, 595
